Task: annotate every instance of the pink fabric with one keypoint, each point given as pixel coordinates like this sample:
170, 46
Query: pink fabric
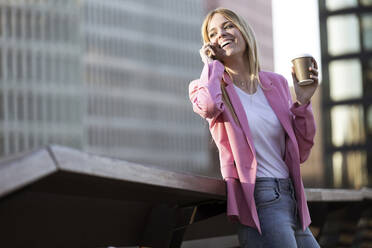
237, 154
239, 197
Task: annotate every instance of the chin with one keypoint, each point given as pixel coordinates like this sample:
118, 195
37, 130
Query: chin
234, 53
228, 53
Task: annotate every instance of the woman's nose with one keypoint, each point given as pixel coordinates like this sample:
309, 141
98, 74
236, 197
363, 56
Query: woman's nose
221, 33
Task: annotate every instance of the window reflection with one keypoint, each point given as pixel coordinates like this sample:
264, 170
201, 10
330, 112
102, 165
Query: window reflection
367, 31
343, 34
368, 72
366, 2
347, 125
345, 79
1, 107
337, 4
369, 119
337, 169
350, 169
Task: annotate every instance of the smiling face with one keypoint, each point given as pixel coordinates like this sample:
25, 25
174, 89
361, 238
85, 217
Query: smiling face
223, 32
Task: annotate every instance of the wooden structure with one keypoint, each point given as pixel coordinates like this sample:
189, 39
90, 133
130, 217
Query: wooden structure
61, 197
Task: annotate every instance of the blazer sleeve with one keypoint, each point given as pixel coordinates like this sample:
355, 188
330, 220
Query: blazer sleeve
205, 93
303, 123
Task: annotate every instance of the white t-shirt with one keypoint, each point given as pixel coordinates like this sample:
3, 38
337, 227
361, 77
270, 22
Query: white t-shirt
267, 133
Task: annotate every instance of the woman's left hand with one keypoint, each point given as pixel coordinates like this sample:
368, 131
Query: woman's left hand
305, 92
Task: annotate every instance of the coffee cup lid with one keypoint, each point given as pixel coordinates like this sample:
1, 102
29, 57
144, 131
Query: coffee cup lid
302, 55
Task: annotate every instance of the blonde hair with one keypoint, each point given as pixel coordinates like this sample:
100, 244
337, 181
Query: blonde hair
247, 33
251, 48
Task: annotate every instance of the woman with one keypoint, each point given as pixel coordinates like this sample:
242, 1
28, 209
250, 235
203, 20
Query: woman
261, 136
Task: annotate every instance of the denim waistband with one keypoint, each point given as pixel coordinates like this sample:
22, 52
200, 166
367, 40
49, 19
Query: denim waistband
280, 183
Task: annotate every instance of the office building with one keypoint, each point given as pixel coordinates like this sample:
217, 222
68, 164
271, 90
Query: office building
41, 87
108, 77
346, 41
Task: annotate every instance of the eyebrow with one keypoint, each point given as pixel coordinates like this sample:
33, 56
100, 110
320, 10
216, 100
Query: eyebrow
210, 30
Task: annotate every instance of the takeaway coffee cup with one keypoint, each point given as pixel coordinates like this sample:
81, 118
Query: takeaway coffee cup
301, 65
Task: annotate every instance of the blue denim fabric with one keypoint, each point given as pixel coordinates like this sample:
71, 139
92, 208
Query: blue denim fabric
277, 212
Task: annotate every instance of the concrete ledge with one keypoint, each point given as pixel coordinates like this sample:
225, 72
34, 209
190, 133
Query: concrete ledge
331, 195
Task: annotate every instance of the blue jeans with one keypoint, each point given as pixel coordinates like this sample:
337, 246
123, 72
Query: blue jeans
277, 212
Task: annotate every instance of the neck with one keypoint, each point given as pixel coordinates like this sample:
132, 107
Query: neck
238, 69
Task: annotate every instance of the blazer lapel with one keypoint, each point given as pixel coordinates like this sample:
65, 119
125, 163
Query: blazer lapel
239, 110
278, 104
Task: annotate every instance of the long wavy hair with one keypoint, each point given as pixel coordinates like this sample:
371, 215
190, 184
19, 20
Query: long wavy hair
251, 48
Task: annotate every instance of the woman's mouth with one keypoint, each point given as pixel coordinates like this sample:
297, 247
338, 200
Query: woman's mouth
226, 43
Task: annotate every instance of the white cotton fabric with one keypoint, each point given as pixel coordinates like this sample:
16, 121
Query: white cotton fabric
267, 133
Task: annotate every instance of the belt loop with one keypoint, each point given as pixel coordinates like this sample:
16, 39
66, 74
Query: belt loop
293, 192
277, 184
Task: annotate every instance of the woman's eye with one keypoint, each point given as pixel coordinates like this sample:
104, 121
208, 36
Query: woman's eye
229, 26
211, 35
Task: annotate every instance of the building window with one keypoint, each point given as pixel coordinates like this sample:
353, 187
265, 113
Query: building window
346, 40
350, 169
369, 119
347, 125
366, 2
333, 5
367, 31
345, 79
343, 34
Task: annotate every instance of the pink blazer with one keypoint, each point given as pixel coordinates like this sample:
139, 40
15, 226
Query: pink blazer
237, 154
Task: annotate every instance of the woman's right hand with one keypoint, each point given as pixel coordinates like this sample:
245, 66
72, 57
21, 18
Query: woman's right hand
210, 52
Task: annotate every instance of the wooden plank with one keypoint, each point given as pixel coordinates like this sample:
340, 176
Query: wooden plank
24, 169
78, 162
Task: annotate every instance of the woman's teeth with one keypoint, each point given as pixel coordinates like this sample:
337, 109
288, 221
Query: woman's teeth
225, 43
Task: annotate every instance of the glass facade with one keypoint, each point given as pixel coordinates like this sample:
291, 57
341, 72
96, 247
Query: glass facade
108, 77
343, 34
345, 79
40, 75
351, 168
138, 60
347, 125
333, 5
369, 119
345, 27
366, 2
